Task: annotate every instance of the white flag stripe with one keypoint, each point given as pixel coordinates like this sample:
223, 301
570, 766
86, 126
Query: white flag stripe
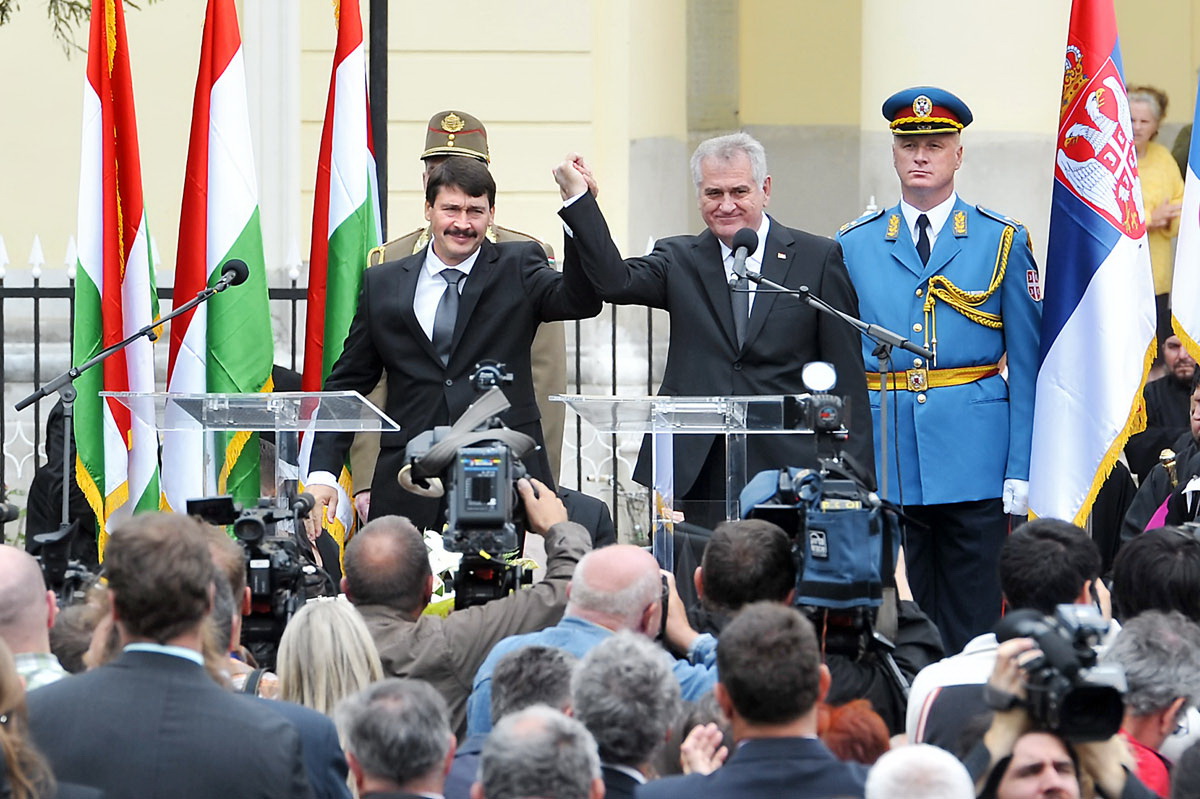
232, 186
349, 170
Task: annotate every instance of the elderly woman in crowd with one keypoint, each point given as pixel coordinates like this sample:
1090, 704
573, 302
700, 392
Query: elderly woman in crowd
1162, 193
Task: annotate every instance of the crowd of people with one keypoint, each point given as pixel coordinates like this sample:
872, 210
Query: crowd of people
998, 658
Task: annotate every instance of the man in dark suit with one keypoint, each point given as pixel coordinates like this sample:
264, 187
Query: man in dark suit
771, 680
153, 723
728, 338
429, 319
398, 739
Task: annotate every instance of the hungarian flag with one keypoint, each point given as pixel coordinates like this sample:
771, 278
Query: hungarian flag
345, 220
117, 465
1098, 309
224, 345
1185, 285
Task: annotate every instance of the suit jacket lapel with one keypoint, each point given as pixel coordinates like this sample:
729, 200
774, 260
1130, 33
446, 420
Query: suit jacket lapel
405, 293
903, 248
947, 245
710, 270
777, 260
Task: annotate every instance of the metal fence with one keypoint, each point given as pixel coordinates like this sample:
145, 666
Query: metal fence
37, 317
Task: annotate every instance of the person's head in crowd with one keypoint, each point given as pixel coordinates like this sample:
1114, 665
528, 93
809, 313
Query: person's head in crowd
732, 184
919, 771
72, 634
220, 631
539, 752
160, 578
1147, 108
618, 587
703, 711
625, 693
1157, 570
853, 731
230, 560
1041, 766
397, 737
532, 675
106, 639
771, 674
325, 654
1181, 366
27, 608
23, 771
1185, 777
1046, 563
1160, 653
387, 564
746, 561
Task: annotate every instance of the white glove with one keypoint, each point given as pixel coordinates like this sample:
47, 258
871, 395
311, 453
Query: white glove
1016, 497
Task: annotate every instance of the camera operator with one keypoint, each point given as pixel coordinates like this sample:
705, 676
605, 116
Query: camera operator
389, 580
1017, 760
751, 560
1160, 654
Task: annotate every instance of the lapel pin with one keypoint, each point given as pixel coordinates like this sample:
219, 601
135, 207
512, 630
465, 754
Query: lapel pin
781, 256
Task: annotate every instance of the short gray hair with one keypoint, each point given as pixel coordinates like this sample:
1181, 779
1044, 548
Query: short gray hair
725, 148
399, 730
532, 675
626, 604
1160, 653
919, 771
627, 696
538, 752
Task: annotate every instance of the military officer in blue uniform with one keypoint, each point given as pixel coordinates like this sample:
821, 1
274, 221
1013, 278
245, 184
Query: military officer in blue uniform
960, 280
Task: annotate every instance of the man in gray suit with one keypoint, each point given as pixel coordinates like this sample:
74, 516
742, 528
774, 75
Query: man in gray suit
153, 723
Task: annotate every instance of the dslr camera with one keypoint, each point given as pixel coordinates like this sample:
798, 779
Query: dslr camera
1069, 693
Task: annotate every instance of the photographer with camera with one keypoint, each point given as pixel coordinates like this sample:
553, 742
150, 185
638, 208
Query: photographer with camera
389, 579
1160, 654
1019, 758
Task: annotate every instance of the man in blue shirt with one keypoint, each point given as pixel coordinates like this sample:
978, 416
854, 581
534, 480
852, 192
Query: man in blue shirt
615, 588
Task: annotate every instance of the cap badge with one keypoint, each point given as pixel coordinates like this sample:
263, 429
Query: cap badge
922, 106
453, 123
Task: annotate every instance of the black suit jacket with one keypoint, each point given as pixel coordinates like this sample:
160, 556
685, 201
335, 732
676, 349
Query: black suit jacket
684, 275
510, 291
156, 726
798, 768
324, 760
617, 784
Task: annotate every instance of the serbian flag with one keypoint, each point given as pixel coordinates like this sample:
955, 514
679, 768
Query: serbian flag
224, 345
1097, 338
1185, 285
345, 224
117, 463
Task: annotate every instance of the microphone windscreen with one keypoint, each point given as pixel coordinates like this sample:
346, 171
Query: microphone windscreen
746, 237
238, 269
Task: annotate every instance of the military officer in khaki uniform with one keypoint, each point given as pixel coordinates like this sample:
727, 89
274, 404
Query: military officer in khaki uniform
449, 134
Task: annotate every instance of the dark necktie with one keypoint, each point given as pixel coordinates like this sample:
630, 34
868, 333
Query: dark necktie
447, 314
741, 307
923, 238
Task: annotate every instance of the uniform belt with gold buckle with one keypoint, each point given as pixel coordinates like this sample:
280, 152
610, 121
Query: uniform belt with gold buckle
922, 379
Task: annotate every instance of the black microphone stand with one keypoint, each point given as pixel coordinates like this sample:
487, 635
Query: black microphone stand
884, 338
64, 383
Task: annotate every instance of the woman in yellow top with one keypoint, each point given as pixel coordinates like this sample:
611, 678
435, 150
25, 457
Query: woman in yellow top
1162, 193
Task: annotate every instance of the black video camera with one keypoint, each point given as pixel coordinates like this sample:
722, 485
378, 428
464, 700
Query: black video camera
277, 573
1069, 693
478, 462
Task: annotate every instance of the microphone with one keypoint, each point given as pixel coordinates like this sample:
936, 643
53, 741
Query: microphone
233, 273
303, 504
745, 241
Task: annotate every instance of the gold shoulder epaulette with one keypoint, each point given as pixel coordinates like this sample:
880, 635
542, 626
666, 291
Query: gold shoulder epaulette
867, 217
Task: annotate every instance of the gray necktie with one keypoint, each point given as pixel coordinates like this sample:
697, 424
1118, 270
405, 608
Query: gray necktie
923, 238
741, 307
447, 314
